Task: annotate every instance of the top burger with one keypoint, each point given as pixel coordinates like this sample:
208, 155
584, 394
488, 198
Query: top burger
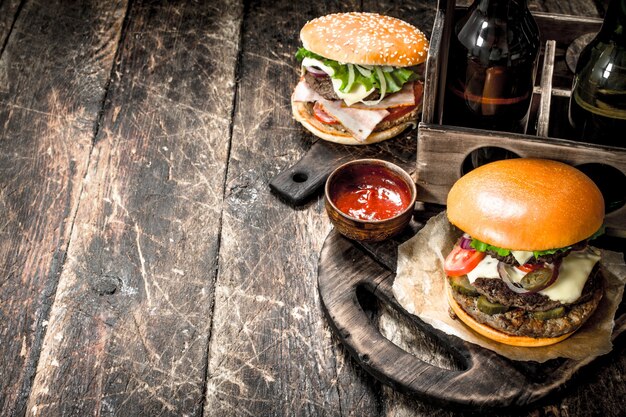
360, 79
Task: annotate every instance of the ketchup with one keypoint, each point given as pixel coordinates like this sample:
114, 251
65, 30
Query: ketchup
370, 192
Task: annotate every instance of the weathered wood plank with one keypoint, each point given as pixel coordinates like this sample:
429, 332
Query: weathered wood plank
272, 353
576, 8
8, 13
51, 89
129, 328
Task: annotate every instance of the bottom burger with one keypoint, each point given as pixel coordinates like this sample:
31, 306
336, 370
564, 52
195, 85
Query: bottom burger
523, 272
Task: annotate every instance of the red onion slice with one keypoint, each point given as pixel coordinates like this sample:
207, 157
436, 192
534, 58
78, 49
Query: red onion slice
504, 275
316, 72
465, 241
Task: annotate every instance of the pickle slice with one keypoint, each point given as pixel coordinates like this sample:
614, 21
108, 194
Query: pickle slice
462, 285
555, 313
488, 307
537, 279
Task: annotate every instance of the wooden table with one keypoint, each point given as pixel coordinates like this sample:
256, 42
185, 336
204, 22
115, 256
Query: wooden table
147, 269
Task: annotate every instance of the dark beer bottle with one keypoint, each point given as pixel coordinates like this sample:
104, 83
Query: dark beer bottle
597, 108
491, 67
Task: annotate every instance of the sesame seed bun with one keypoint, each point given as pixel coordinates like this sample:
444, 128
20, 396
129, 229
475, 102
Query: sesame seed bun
365, 39
302, 114
526, 204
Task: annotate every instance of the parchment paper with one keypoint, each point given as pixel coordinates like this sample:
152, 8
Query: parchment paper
419, 288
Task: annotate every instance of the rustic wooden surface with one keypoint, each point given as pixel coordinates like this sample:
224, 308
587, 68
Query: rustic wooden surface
147, 269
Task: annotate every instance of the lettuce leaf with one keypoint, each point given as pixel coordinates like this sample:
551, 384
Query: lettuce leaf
484, 247
538, 253
305, 53
394, 78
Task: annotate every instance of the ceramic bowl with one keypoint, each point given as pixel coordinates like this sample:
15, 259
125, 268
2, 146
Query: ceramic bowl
347, 188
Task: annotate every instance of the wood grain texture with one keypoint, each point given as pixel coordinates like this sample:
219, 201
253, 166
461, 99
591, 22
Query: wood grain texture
51, 88
138, 181
543, 118
271, 352
8, 14
129, 327
577, 8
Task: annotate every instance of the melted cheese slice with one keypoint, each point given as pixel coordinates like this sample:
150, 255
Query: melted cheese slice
575, 270
568, 287
521, 256
487, 268
357, 93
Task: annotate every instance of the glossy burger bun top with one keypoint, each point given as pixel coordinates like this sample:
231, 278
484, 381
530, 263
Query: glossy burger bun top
365, 39
526, 204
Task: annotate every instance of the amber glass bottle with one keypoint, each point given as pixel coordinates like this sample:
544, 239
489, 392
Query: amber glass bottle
491, 68
598, 101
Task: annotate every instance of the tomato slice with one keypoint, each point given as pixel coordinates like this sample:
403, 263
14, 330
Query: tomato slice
322, 116
461, 261
398, 112
529, 267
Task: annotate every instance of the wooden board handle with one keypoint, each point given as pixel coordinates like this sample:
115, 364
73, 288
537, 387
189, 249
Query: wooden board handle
306, 178
485, 380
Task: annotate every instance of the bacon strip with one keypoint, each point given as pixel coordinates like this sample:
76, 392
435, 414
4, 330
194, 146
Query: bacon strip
303, 92
360, 123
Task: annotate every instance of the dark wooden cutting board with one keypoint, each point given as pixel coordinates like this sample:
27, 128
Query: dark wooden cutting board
484, 379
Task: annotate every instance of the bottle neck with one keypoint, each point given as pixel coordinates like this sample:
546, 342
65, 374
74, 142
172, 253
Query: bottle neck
614, 25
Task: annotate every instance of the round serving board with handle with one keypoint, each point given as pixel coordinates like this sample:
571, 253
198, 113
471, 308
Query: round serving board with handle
484, 380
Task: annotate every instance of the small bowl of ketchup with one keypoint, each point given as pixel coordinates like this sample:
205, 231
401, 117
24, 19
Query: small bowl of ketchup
369, 199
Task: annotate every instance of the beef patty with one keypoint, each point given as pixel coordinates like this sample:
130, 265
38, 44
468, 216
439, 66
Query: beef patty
322, 85
497, 291
521, 322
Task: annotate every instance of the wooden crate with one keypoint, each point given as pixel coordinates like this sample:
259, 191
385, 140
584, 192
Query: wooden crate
443, 149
